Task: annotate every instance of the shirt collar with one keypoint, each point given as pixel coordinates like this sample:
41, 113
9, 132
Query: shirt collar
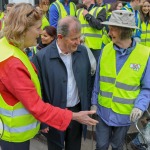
125, 51
60, 52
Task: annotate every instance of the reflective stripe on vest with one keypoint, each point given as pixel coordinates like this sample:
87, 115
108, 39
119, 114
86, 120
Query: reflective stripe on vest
19, 124
119, 91
145, 36
62, 11
91, 34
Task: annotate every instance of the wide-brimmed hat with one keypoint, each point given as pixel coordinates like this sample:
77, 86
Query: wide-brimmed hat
122, 18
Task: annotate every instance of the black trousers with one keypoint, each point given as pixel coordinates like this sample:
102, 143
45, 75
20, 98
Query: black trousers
4, 145
73, 134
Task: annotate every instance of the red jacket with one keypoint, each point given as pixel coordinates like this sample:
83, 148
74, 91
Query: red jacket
16, 85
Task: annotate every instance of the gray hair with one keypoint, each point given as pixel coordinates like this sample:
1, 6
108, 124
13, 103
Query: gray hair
67, 24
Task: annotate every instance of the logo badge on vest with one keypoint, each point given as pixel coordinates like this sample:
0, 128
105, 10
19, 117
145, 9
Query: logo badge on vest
135, 67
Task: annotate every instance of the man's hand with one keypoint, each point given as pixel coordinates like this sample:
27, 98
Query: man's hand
135, 114
83, 117
45, 130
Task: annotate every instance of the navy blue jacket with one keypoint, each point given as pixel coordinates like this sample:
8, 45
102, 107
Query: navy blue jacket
53, 78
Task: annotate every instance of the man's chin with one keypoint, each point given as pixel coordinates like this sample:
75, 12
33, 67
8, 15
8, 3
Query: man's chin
74, 49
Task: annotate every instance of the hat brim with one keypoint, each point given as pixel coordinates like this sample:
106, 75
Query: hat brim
119, 25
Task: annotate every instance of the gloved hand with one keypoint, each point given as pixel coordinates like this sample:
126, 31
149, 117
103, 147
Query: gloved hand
94, 116
94, 107
135, 114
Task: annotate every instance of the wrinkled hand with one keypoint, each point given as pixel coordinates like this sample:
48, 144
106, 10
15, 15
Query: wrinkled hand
45, 130
135, 114
83, 117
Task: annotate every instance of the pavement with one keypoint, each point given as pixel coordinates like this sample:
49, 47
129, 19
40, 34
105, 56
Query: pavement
39, 142
86, 145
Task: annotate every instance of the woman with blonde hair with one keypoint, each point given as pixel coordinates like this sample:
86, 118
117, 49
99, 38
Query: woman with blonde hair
21, 106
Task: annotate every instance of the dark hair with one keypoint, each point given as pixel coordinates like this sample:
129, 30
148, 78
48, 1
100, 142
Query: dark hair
114, 5
50, 30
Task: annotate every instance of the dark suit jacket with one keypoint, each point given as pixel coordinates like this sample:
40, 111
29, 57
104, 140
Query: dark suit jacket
53, 78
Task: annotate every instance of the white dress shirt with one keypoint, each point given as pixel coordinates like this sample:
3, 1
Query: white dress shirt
72, 90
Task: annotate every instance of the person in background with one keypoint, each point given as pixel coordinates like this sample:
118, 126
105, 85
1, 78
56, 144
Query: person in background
90, 19
116, 6
104, 5
65, 75
122, 85
21, 106
9, 6
48, 35
44, 6
60, 9
106, 38
134, 6
145, 22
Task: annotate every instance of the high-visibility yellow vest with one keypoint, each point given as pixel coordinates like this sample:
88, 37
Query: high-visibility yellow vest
119, 91
93, 37
1, 15
145, 36
105, 37
19, 124
44, 22
62, 11
107, 7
